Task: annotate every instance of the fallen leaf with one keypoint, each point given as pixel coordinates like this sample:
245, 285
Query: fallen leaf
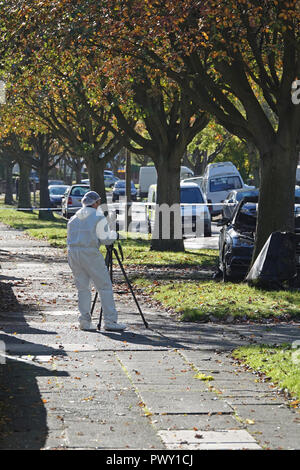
249, 421
204, 377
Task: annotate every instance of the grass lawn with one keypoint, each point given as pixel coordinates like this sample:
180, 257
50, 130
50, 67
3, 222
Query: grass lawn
204, 300
280, 364
136, 251
54, 231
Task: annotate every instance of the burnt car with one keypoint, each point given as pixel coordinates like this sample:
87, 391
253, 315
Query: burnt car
236, 239
234, 197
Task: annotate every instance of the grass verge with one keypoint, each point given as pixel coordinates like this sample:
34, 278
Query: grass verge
137, 251
54, 231
278, 364
204, 300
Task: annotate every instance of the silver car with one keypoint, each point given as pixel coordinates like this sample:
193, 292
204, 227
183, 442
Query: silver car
71, 200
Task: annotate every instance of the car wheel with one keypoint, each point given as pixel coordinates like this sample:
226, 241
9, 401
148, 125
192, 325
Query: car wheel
149, 226
224, 273
207, 232
225, 276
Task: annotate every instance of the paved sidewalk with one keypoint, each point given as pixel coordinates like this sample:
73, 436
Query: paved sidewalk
62, 388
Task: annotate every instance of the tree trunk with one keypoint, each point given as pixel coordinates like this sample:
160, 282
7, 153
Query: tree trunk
254, 162
167, 235
95, 166
78, 174
128, 206
24, 196
44, 192
9, 183
277, 191
201, 160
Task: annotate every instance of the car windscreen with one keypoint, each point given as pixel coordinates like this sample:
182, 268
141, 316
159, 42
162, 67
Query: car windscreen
57, 191
297, 196
122, 184
190, 196
79, 191
224, 183
246, 216
239, 196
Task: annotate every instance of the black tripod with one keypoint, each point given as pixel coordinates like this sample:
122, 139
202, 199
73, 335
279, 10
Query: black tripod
110, 250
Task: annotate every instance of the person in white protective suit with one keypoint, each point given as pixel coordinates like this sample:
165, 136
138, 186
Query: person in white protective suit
87, 229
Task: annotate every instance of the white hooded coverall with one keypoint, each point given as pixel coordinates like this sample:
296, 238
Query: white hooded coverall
87, 229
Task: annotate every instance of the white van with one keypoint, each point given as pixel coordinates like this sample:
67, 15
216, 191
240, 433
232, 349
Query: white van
298, 175
195, 179
218, 180
196, 218
148, 176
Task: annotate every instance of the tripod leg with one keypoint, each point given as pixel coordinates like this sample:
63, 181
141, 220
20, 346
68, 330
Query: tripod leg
108, 262
130, 287
94, 303
100, 320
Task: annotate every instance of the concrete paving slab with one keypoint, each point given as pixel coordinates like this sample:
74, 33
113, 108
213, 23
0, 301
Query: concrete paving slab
237, 400
170, 387
180, 403
209, 440
118, 434
218, 421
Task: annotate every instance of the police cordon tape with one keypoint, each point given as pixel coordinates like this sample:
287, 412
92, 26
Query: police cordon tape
114, 204
30, 209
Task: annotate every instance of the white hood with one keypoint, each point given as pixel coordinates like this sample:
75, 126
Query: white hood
84, 212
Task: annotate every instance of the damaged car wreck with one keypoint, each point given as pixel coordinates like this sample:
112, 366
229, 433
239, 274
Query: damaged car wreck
237, 237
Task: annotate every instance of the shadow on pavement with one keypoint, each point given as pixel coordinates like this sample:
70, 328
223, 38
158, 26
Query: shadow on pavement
23, 417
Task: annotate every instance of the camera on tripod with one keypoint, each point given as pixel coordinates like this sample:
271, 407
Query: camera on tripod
118, 253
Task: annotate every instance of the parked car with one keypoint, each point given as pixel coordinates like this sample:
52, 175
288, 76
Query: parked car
120, 188
195, 215
234, 197
56, 193
236, 239
71, 200
56, 182
109, 180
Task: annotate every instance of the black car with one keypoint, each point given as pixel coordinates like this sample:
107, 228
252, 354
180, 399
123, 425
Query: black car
234, 197
236, 239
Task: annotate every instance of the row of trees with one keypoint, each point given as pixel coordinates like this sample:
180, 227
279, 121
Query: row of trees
149, 76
